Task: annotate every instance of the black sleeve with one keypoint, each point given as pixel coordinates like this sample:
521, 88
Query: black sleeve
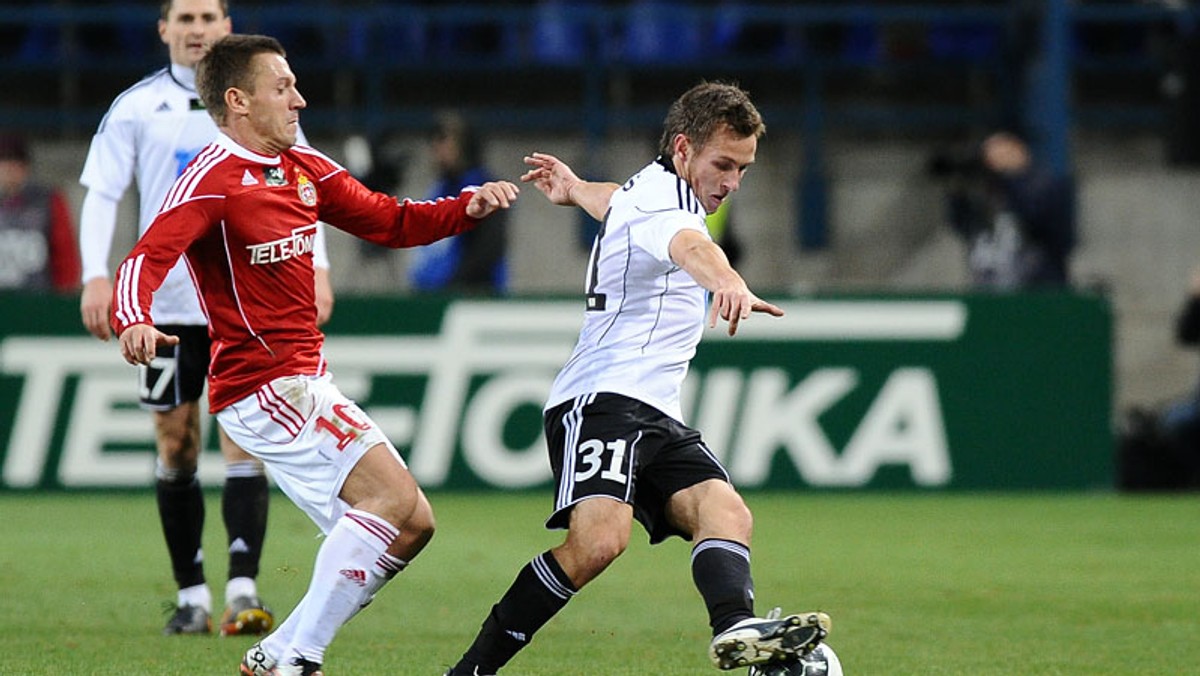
964, 212
1045, 207
1187, 326
482, 250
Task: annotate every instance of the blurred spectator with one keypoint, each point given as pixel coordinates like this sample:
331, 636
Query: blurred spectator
1017, 218
475, 261
1159, 448
1181, 420
380, 162
37, 238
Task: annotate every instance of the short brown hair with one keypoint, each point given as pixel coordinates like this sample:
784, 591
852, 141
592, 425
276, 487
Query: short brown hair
14, 147
228, 65
164, 10
701, 110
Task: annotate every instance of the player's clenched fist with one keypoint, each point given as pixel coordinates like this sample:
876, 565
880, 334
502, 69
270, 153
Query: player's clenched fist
490, 197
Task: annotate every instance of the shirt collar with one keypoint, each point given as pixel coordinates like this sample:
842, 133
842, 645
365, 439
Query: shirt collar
184, 76
243, 152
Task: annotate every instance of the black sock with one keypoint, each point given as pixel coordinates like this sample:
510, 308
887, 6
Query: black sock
721, 571
244, 508
539, 592
181, 511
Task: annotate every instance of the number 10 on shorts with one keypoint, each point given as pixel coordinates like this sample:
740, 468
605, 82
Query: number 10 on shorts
344, 437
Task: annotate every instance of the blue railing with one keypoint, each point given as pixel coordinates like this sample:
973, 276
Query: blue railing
590, 67
364, 58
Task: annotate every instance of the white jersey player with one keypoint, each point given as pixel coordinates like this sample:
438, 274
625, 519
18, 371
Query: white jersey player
619, 449
645, 314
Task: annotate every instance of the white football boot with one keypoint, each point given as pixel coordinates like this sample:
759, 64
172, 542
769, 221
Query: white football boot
768, 640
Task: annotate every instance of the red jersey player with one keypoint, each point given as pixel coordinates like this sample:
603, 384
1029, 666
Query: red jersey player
242, 216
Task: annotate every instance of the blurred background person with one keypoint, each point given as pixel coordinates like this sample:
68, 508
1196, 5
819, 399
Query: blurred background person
1158, 445
1180, 422
475, 262
37, 238
1016, 217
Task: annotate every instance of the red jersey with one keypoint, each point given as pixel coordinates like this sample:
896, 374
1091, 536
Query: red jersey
244, 224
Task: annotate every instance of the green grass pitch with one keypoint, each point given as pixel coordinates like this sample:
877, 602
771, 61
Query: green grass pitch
915, 583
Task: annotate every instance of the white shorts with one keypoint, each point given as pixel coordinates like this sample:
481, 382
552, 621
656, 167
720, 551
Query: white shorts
309, 435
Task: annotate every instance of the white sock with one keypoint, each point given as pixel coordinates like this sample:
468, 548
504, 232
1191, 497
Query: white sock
196, 595
277, 641
386, 567
240, 586
342, 583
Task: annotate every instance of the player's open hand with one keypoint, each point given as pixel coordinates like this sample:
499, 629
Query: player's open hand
490, 197
94, 306
140, 342
734, 305
552, 176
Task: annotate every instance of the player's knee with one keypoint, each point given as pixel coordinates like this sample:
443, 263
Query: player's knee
177, 451
174, 475
602, 550
740, 521
421, 524
178, 448
727, 517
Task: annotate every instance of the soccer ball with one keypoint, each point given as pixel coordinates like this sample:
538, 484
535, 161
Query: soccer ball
257, 661
822, 661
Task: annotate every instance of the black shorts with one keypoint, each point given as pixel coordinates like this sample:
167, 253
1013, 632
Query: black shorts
178, 372
613, 446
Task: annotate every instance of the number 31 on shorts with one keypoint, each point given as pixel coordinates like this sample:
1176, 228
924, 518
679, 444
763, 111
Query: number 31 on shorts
607, 458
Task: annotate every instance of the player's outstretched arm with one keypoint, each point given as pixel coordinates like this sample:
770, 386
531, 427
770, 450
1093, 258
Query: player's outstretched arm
490, 197
561, 186
140, 342
732, 300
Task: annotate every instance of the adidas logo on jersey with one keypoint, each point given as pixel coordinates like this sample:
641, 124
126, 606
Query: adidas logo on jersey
248, 178
356, 575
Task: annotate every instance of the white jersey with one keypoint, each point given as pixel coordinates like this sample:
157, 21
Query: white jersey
153, 129
645, 314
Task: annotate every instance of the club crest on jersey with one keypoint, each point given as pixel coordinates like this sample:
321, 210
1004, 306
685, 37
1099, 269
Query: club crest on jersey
306, 190
274, 176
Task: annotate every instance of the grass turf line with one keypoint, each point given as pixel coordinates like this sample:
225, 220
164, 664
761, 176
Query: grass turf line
916, 584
